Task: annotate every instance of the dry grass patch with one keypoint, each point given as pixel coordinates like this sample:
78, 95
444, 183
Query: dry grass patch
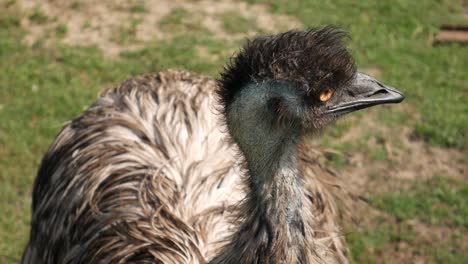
116, 26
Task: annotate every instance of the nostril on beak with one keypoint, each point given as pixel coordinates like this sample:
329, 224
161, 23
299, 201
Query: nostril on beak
379, 91
374, 93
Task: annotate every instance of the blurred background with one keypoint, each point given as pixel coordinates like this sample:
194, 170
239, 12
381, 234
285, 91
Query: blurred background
409, 160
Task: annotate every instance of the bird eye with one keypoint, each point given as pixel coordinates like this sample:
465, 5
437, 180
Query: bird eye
326, 95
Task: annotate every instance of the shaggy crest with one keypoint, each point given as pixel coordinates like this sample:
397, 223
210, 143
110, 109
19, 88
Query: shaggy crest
311, 60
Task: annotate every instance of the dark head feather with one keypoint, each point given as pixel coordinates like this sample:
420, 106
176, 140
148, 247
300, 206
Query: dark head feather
311, 60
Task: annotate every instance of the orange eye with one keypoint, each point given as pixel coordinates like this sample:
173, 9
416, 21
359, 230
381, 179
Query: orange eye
326, 95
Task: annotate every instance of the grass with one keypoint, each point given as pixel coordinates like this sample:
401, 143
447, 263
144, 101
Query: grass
400, 242
61, 31
175, 17
180, 21
41, 87
234, 22
366, 245
38, 17
137, 7
180, 52
436, 208
75, 5
126, 33
438, 201
30, 118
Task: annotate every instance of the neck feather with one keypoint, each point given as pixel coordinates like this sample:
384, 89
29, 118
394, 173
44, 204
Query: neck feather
275, 188
272, 228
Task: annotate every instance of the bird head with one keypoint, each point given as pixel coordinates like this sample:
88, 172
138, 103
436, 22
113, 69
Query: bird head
298, 79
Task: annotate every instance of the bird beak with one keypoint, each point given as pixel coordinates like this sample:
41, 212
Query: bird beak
364, 92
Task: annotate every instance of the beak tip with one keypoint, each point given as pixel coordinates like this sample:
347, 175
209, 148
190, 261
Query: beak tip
400, 97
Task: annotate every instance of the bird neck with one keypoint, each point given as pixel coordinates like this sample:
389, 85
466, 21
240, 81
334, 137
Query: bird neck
275, 188
274, 195
272, 230
275, 203
272, 226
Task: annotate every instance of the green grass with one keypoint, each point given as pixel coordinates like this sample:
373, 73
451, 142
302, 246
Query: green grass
370, 144
439, 201
366, 245
385, 239
64, 80
61, 31
180, 21
38, 17
180, 52
137, 7
235, 22
449, 255
126, 33
175, 17
75, 5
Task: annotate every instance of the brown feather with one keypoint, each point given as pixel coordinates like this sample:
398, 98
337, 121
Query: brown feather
130, 181
149, 173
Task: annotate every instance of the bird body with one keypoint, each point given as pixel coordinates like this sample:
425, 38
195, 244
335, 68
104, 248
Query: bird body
136, 173
175, 167
138, 182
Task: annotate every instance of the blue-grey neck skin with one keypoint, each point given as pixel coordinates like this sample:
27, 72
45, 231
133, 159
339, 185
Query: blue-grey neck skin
270, 149
252, 125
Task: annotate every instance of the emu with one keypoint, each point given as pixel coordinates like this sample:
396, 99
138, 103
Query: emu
175, 167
